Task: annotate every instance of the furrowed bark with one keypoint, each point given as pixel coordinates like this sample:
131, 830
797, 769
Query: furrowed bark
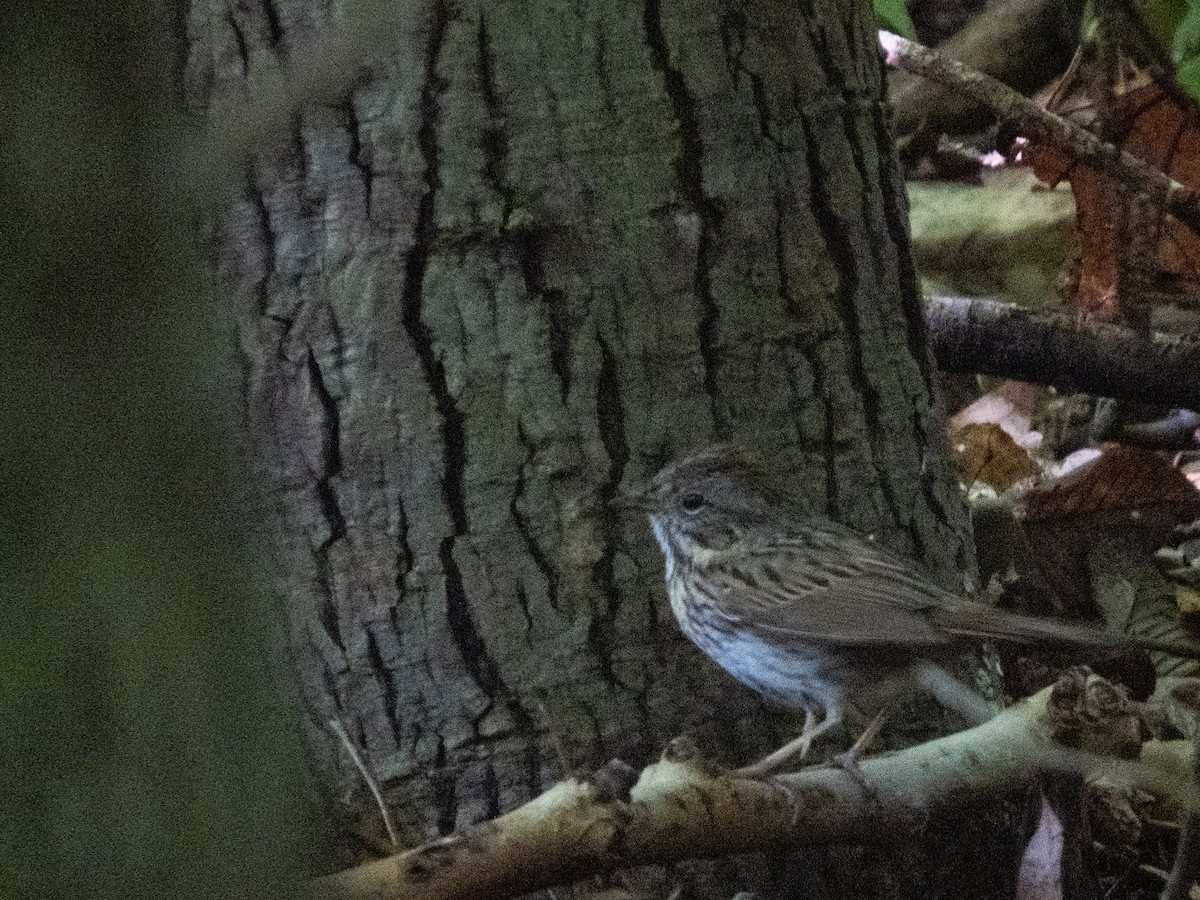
533, 252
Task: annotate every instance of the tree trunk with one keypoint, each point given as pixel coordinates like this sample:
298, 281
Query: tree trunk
541, 250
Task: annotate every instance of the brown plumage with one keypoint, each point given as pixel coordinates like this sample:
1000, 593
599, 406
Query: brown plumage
807, 612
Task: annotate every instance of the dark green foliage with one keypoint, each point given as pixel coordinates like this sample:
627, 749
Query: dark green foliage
893, 16
146, 751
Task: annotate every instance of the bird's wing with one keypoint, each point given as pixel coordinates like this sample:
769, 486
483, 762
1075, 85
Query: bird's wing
831, 586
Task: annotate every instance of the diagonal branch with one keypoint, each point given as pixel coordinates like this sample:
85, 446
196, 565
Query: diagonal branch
680, 808
1038, 124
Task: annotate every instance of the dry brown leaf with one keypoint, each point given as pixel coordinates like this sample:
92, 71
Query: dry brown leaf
1163, 131
1010, 406
1098, 240
1122, 240
986, 452
1124, 485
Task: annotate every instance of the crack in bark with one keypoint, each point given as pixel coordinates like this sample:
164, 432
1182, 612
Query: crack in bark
328, 457
603, 77
609, 414
489, 789
540, 560
495, 138
239, 39
405, 555
821, 393
331, 512
842, 252
267, 235
795, 403
461, 622
327, 612
611, 418
840, 247
331, 689
827, 62
689, 169
895, 222
473, 650
759, 94
357, 154
643, 745
444, 784
560, 342
459, 617
453, 436
325, 456
523, 603
733, 42
385, 675
732, 27
895, 217
274, 24
851, 114
600, 638
526, 248
524, 243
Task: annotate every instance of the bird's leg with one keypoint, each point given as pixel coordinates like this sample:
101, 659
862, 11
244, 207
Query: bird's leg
794, 749
849, 759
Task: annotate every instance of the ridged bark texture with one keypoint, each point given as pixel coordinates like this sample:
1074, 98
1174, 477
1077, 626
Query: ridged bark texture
536, 251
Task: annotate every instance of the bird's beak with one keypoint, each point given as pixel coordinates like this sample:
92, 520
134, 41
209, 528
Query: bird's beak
631, 501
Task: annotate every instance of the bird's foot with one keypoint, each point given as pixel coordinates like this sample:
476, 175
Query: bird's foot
795, 749
773, 762
848, 761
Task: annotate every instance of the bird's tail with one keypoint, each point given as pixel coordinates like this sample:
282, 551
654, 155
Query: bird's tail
977, 620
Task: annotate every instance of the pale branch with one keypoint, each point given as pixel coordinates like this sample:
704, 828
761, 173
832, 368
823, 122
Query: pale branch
1041, 125
1184, 880
985, 337
681, 808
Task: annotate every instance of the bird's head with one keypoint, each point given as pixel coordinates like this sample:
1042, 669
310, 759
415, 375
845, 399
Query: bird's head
703, 502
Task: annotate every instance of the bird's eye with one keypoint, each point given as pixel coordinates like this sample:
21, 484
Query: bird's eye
691, 502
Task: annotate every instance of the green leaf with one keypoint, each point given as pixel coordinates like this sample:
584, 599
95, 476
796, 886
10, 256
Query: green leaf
1162, 19
1188, 76
1175, 25
1186, 43
893, 15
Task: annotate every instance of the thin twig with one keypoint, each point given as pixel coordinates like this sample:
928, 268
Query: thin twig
1161, 874
1040, 125
340, 730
